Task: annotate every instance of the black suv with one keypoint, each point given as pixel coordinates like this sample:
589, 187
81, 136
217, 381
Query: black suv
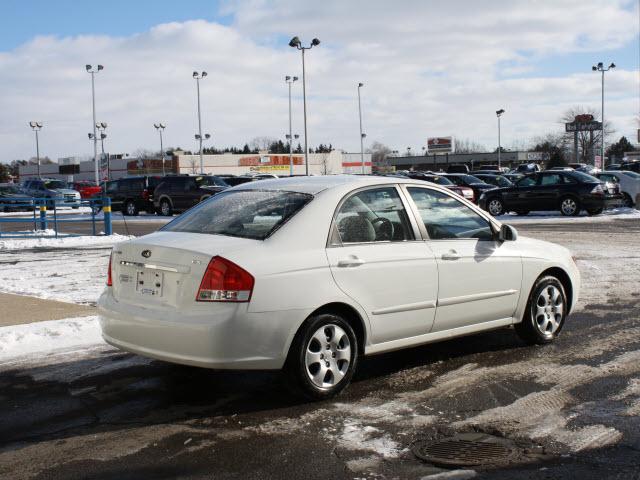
567, 191
181, 192
132, 194
633, 166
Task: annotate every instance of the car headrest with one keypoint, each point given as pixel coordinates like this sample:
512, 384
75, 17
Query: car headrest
356, 229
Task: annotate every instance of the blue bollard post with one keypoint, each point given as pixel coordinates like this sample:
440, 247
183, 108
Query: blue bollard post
106, 208
43, 216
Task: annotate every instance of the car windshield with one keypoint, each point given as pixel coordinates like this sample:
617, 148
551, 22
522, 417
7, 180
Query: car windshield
211, 182
253, 214
471, 179
631, 174
440, 180
54, 184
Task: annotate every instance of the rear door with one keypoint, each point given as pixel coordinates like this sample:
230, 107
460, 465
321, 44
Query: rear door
479, 276
549, 190
377, 259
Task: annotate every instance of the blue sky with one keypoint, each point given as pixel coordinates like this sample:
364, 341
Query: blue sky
21, 20
422, 78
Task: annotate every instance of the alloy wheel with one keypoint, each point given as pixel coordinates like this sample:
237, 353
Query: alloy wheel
328, 356
569, 206
548, 310
165, 208
131, 209
495, 207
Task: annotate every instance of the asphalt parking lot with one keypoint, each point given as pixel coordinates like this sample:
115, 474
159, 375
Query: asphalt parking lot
568, 410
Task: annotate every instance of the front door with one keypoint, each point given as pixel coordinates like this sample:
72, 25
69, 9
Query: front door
377, 259
479, 276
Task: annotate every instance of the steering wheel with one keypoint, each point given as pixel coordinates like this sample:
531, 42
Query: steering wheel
383, 227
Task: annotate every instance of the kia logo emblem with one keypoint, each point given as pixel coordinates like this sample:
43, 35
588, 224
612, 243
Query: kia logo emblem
146, 253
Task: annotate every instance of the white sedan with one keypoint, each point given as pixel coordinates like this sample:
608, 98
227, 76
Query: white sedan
310, 273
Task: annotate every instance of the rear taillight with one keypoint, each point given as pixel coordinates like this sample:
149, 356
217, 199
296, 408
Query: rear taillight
597, 190
224, 281
109, 279
145, 194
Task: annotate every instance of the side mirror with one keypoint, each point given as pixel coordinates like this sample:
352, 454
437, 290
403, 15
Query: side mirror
508, 233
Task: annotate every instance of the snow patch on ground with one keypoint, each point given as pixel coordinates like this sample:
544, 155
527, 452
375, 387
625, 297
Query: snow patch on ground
44, 338
452, 475
557, 217
358, 437
47, 239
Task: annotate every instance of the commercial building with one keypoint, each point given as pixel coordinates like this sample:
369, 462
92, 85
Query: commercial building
331, 163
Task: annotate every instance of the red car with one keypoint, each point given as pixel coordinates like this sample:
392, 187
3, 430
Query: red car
86, 188
465, 192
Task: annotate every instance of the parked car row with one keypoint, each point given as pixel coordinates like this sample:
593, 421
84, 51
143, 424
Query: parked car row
169, 194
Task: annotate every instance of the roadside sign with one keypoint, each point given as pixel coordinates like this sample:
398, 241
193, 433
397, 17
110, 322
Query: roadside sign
440, 145
597, 161
583, 126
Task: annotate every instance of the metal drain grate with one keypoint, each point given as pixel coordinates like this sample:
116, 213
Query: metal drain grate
464, 450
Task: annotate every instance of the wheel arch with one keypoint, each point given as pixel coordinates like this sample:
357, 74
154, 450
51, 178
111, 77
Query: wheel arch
564, 279
346, 311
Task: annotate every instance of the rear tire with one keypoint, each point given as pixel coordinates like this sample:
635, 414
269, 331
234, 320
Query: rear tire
545, 312
130, 208
595, 211
628, 201
495, 206
322, 357
569, 206
165, 208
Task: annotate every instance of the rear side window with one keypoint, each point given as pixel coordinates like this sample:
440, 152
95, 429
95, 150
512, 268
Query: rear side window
253, 214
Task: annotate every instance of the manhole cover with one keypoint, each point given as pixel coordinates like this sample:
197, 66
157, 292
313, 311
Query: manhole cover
465, 449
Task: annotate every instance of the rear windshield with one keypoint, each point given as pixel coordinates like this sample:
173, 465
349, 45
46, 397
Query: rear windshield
630, 174
583, 177
440, 180
254, 214
210, 182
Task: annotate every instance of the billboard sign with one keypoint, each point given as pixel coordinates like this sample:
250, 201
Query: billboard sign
440, 145
597, 160
583, 126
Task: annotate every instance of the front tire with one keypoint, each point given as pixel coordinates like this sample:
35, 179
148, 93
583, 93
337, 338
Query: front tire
495, 206
322, 357
545, 313
165, 208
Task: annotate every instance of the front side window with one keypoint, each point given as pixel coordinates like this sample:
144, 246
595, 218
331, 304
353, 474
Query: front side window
253, 214
445, 217
374, 215
528, 181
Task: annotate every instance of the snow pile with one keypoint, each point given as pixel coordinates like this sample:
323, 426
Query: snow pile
46, 239
41, 338
557, 217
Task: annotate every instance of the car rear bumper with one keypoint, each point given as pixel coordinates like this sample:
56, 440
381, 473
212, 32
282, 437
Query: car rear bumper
220, 336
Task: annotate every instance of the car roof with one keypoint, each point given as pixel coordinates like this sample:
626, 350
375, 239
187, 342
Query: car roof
316, 184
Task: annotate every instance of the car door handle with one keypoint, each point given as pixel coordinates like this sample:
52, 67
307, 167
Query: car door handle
450, 255
350, 262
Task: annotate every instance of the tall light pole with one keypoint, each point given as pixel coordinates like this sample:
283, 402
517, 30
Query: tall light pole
160, 127
362, 135
289, 80
200, 139
499, 114
600, 68
198, 77
296, 43
93, 71
36, 127
102, 126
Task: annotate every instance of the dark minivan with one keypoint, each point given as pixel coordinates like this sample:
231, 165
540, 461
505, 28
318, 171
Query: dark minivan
181, 192
132, 195
567, 191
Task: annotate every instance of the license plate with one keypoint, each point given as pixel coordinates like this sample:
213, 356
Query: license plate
149, 283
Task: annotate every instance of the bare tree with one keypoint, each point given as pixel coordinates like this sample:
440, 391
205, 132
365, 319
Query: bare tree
587, 142
193, 164
379, 153
464, 145
262, 143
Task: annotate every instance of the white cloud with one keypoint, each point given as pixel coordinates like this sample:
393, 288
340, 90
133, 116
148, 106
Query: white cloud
429, 68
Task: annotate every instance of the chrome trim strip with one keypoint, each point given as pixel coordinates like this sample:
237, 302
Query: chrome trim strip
405, 308
472, 298
151, 266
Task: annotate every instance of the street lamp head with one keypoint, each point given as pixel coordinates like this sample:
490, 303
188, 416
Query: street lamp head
88, 67
207, 136
296, 136
156, 125
100, 67
195, 74
364, 135
287, 136
104, 124
315, 42
594, 68
32, 124
613, 65
294, 42
103, 136
295, 79
90, 136
197, 136
500, 112
287, 78
600, 65
360, 84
